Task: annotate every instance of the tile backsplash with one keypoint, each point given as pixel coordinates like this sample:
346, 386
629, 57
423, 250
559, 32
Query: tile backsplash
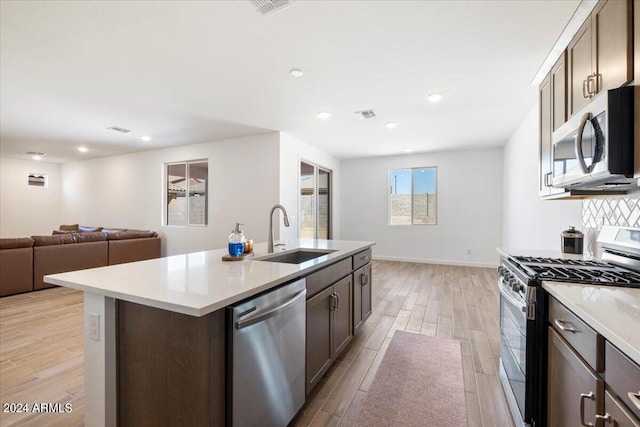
622, 210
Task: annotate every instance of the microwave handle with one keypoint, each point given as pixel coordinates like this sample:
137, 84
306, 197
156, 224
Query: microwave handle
578, 147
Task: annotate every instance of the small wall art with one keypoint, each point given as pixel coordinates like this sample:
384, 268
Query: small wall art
37, 179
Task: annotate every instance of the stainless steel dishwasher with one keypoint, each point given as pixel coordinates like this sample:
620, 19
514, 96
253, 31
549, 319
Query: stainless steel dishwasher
266, 359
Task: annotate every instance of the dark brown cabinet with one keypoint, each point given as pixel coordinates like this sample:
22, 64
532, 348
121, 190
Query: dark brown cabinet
558, 76
170, 367
329, 328
552, 95
319, 348
616, 414
623, 383
575, 392
361, 295
600, 56
544, 96
339, 301
342, 312
590, 382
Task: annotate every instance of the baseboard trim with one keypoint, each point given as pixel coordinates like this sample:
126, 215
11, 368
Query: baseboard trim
436, 261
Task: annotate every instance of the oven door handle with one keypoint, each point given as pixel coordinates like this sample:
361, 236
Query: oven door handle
511, 299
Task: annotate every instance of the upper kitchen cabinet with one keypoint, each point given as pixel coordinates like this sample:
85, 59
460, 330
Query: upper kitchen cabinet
544, 95
559, 92
553, 113
600, 55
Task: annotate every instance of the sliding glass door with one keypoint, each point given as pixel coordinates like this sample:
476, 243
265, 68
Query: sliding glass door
315, 202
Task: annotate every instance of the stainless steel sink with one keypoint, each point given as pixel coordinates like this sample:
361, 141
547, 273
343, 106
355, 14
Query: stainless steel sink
297, 256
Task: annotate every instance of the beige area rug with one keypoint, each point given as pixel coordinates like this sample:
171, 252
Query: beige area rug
418, 383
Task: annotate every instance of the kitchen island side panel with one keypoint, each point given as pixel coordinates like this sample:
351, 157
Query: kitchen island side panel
170, 367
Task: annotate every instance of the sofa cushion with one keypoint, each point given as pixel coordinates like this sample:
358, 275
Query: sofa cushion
96, 236
131, 234
130, 250
69, 227
113, 230
16, 269
56, 239
62, 258
17, 242
87, 229
63, 232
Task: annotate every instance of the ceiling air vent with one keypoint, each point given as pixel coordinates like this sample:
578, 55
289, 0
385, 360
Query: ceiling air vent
119, 129
366, 114
268, 6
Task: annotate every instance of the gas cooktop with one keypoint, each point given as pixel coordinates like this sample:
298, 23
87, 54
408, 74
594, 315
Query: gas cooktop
562, 261
577, 271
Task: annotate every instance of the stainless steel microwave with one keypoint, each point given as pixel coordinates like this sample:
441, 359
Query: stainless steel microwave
593, 150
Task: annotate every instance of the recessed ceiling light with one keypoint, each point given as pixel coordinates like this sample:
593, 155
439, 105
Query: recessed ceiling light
145, 138
391, 125
35, 155
296, 72
408, 150
323, 115
434, 97
83, 149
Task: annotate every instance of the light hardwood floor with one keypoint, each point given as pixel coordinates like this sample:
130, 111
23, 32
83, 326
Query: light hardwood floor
41, 346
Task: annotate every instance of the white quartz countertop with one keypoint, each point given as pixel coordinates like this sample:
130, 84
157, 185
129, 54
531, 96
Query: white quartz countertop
199, 283
613, 312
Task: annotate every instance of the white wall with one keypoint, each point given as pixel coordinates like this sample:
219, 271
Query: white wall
127, 191
530, 222
469, 186
27, 210
292, 151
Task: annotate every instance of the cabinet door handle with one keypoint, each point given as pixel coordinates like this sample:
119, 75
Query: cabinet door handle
333, 304
592, 85
560, 324
585, 94
584, 396
364, 279
635, 398
606, 418
337, 300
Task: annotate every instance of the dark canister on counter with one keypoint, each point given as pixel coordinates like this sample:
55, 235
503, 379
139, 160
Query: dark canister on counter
572, 241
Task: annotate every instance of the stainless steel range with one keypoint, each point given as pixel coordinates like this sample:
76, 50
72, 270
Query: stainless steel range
523, 312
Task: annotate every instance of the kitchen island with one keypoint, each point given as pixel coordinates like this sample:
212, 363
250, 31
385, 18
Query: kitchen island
170, 312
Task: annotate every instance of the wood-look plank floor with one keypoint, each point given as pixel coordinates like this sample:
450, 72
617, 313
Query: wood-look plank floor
42, 357
446, 301
41, 347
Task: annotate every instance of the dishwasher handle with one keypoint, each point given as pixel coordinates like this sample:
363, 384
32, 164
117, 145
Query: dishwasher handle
270, 313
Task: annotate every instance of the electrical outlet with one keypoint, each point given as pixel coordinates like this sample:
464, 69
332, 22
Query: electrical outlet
94, 326
468, 251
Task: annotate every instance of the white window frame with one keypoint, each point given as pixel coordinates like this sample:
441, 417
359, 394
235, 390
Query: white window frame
412, 169
166, 191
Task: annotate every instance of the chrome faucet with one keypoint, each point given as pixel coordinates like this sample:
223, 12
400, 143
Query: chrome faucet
286, 224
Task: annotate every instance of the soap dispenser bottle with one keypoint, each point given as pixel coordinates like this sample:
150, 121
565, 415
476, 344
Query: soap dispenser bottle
236, 241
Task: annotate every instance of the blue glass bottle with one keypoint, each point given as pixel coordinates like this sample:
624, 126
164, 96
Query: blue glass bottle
236, 242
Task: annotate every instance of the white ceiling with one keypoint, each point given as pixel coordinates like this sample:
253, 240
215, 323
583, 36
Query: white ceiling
195, 71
